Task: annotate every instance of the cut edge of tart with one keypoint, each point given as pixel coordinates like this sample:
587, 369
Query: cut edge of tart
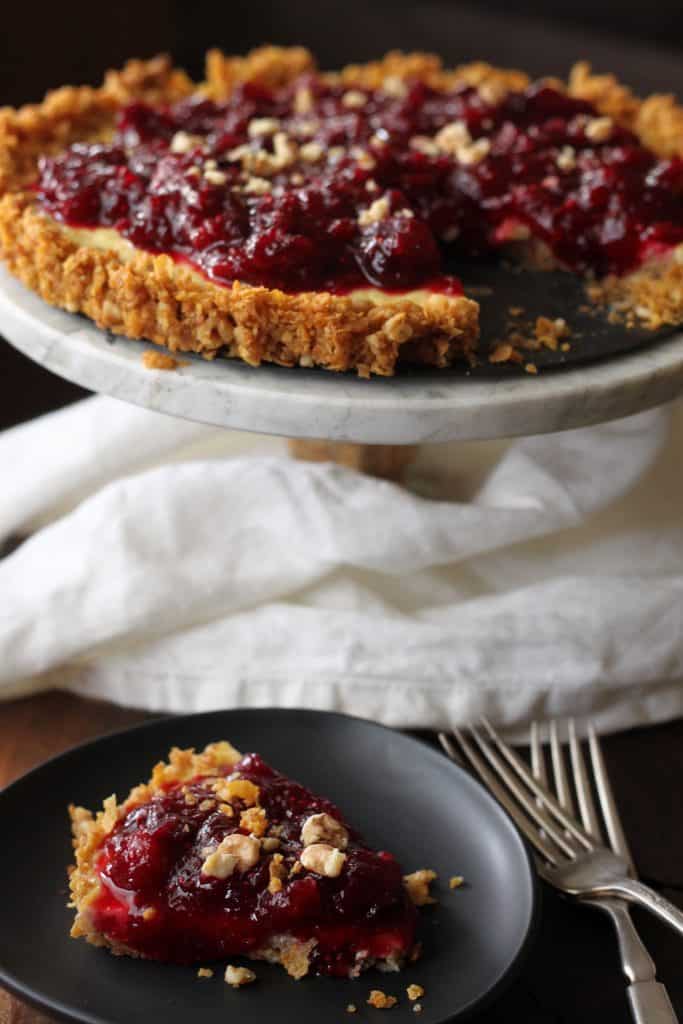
145, 295
218, 855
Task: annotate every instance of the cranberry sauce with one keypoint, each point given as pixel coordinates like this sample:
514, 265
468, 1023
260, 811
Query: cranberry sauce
317, 186
156, 900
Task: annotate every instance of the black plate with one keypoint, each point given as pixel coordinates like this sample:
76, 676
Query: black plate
398, 791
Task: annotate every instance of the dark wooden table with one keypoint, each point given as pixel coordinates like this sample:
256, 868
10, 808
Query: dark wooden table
572, 974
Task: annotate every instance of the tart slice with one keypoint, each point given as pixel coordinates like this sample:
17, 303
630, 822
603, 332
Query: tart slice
219, 855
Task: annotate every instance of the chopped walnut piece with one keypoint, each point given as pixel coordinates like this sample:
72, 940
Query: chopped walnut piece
215, 177
417, 885
311, 152
352, 1008
257, 186
205, 972
270, 843
566, 158
453, 137
530, 368
238, 976
354, 98
424, 144
296, 868
260, 126
227, 810
380, 1000
414, 992
323, 860
394, 86
323, 828
149, 913
234, 853
207, 805
374, 213
455, 882
184, 142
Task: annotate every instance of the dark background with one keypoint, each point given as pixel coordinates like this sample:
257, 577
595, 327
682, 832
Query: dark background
44, 45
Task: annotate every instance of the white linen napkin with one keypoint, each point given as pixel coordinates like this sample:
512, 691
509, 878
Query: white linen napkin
176, 567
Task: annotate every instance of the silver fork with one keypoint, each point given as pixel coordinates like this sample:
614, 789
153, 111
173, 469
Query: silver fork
571, 857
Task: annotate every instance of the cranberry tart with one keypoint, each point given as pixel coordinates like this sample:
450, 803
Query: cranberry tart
219, 855
278, 213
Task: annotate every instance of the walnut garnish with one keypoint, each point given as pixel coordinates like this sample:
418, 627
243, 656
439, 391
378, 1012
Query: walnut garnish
380, 1000
414, 992
311, 152
455, 140
323, 859
354, 98
205, 972
455, 882
234, 853
323, 828
183, 142
257, 186
236, 977
215, 177
394, 86
374, 213
566, 158
260, 126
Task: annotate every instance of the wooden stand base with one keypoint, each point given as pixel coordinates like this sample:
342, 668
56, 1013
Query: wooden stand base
381, 460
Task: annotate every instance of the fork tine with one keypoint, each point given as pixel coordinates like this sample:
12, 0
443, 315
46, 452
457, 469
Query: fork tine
564, 796
583, 790
538, 790
527, 801
608, 804
537, 758
524, 824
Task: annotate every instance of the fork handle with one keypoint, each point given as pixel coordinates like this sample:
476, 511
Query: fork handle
648, 999
632, 891
650, 1003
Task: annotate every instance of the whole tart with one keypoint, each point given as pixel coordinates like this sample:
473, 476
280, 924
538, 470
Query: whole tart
220, 855
276, 213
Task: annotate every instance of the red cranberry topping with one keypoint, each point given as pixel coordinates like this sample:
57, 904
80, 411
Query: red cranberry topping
349, 188
153, 860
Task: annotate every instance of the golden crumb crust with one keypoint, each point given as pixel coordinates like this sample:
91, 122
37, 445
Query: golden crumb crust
144, 296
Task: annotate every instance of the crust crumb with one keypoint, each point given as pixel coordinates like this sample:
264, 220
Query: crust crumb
417, 885
152, 360
380, 1000
236, 977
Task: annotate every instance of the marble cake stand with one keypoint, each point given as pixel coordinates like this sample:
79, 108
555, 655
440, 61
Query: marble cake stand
360, 422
